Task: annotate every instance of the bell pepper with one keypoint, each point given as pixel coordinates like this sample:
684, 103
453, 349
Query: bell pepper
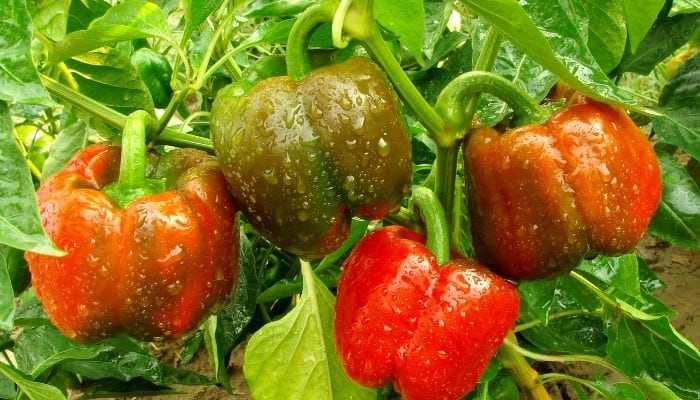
147, 255
430, 329
542, 197
156, 72
303, 157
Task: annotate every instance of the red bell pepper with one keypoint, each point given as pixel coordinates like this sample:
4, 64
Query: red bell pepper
430, 329
149, 257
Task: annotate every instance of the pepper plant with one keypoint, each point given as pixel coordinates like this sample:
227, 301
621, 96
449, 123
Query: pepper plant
467, 179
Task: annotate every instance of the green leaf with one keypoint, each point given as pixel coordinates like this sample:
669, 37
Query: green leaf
437, 15
33, 390
106, 75
654, 349
20, 226
404, 19
640, 15
685, 7
546, 297
677, 220
560, 52
71, 139
50, 18
83, 12
295, 357
7, 295
132, 19
575, 334
19, 80
614, 391
197, 11
277, 8
607, 33
620, 272
666, 36
654, 389
235, 317
680, 103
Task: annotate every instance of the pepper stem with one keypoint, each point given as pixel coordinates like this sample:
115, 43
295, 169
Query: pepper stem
298, 64
525, 376
425, 203
451, 103
132, 182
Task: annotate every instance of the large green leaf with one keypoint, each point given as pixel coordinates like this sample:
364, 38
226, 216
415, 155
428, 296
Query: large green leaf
677, 220
404, 19
562, 51
640, 15
666, 36
132, 19
50, 17
653, 349
106, 75
680, 103
71, 139
547, 297
295, 357
20, 226
19, 81
607, 34
7, 297
196, 12
233, 319
621, 272
32, 390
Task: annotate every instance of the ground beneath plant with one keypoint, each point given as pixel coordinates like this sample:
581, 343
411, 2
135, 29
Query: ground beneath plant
678, 268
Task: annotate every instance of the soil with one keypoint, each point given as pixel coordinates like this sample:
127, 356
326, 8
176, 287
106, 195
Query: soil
678, 268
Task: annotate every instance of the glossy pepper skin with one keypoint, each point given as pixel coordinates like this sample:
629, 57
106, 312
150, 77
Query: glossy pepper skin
154, 269
542, 197
156, 72
430, 329
302, 157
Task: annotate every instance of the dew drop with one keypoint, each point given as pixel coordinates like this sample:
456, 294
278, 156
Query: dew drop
345, 102
174, 288
303, 216
383, 147
270, 176
83, 310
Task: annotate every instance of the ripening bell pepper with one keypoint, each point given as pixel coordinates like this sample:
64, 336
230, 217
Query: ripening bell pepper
153, 266
302, 157
542, 197
430, 329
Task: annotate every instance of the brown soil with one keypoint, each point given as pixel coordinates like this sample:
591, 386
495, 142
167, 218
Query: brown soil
678, 268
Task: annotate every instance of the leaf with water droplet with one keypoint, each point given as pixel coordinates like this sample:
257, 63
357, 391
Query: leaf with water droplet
295, 357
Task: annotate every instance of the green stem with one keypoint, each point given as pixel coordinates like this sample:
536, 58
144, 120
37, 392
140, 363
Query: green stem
451, 101
445, 172
525, 376
431, 212
132, 169
511, 343
487, 57
298, 64
117, 119
361, 25
171, 109
132, 182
